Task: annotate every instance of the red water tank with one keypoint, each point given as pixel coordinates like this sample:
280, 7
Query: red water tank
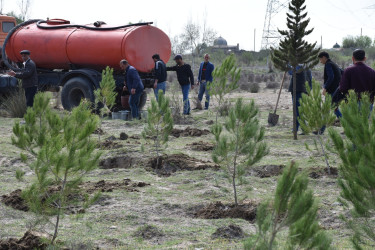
89, 48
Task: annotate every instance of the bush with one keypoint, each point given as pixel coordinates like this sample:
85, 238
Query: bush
272, 85
254, 87
14, 103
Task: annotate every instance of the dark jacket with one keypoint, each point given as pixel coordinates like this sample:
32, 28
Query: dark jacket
160, 71
208, 75
28, 74
301, 79
360, 78
332, 76
133, 81
184, 74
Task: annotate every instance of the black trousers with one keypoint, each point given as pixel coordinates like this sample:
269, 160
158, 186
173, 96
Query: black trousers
29, 94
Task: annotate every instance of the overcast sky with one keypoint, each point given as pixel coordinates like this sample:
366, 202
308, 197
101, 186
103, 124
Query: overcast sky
235, 20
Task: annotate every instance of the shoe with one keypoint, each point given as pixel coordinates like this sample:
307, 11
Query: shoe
205, 108
187, 113
302, 133
22, 122
316, 132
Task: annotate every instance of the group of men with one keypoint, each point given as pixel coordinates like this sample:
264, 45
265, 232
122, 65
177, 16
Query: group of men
185, 78
337, 82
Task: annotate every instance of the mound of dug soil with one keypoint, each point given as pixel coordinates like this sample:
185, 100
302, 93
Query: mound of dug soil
267, 171
218, 210
172, 163
317, 173
189, 132
109, 144
122, 161
201, 146
148, 232
228, 232
30, 240
15, 201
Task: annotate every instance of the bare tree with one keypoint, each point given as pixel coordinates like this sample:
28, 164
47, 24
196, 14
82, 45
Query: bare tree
24, 6
1, 6
178, 45
208, 34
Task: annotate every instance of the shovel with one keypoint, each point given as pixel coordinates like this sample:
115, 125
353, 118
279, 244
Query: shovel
273, 118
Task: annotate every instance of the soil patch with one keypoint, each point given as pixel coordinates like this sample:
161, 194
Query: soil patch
209, 122
219, 210
201, 146
317, 173
109, 144
267, 171
169, 164
99, 131
123, 136
228, 232
148, 232
30, 240
189, 132
123, 161
15, 201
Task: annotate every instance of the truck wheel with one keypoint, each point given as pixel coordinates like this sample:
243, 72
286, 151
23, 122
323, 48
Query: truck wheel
142, 100
74, 90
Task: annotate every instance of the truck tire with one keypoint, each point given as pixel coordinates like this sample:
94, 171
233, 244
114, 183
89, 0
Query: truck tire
74, 90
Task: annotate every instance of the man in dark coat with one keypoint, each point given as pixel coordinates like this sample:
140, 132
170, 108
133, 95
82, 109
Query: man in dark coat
134, 85
359, 76
301, 77
186, 79
160, 75
29, 77
332, 77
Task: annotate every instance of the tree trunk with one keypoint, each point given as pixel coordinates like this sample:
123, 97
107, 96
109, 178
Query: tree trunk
294, 104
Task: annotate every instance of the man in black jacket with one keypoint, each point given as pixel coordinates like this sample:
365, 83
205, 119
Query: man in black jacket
29, 77
160, 75
186, 79
332, 76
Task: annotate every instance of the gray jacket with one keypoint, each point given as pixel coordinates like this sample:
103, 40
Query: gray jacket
28, 74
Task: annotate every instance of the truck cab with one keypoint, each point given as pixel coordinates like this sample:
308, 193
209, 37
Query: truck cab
6, 24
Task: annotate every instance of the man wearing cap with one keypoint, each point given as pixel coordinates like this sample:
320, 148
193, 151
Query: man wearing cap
134, 84
186, 79
29, 77
205, 76
160, 75
359, 76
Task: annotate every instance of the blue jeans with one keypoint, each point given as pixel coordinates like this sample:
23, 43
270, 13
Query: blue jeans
134, 103
162, 86
29, 94
298, 98
203, 90
185, 97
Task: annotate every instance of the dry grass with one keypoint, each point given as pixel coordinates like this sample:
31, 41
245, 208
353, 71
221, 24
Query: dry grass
14, 104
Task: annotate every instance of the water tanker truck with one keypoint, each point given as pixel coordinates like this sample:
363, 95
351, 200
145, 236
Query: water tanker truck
73, 56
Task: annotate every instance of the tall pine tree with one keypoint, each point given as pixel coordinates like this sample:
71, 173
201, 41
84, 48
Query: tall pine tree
293, 50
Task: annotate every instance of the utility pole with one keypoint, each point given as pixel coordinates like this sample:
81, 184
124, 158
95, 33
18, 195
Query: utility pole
321, 42
254, 38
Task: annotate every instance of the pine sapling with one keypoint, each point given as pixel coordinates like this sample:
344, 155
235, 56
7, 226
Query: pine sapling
225, 80
159, 123
292, 207
63, 155
293, 50
105, 96
316, 112
242, 145
357, 168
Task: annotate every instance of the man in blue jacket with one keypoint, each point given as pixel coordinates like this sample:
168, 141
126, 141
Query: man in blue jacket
134, 85
205, 77
160, 75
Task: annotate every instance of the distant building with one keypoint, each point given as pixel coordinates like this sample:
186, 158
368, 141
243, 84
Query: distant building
221, 44
336, 46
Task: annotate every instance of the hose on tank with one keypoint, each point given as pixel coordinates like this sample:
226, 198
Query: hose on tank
5, 59
87, 27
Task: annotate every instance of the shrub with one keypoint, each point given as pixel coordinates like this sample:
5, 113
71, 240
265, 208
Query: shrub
254, 87
272, 85
14, 103
242, 145
64, 154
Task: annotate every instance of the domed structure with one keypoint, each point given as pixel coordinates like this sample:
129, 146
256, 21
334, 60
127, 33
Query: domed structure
336, 46
220, 42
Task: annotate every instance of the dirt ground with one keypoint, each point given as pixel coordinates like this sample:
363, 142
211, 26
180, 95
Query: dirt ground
183, 201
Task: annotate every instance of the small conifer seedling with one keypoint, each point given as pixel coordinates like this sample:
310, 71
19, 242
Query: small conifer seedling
63, 155
241, 145
159, 123
294, 207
